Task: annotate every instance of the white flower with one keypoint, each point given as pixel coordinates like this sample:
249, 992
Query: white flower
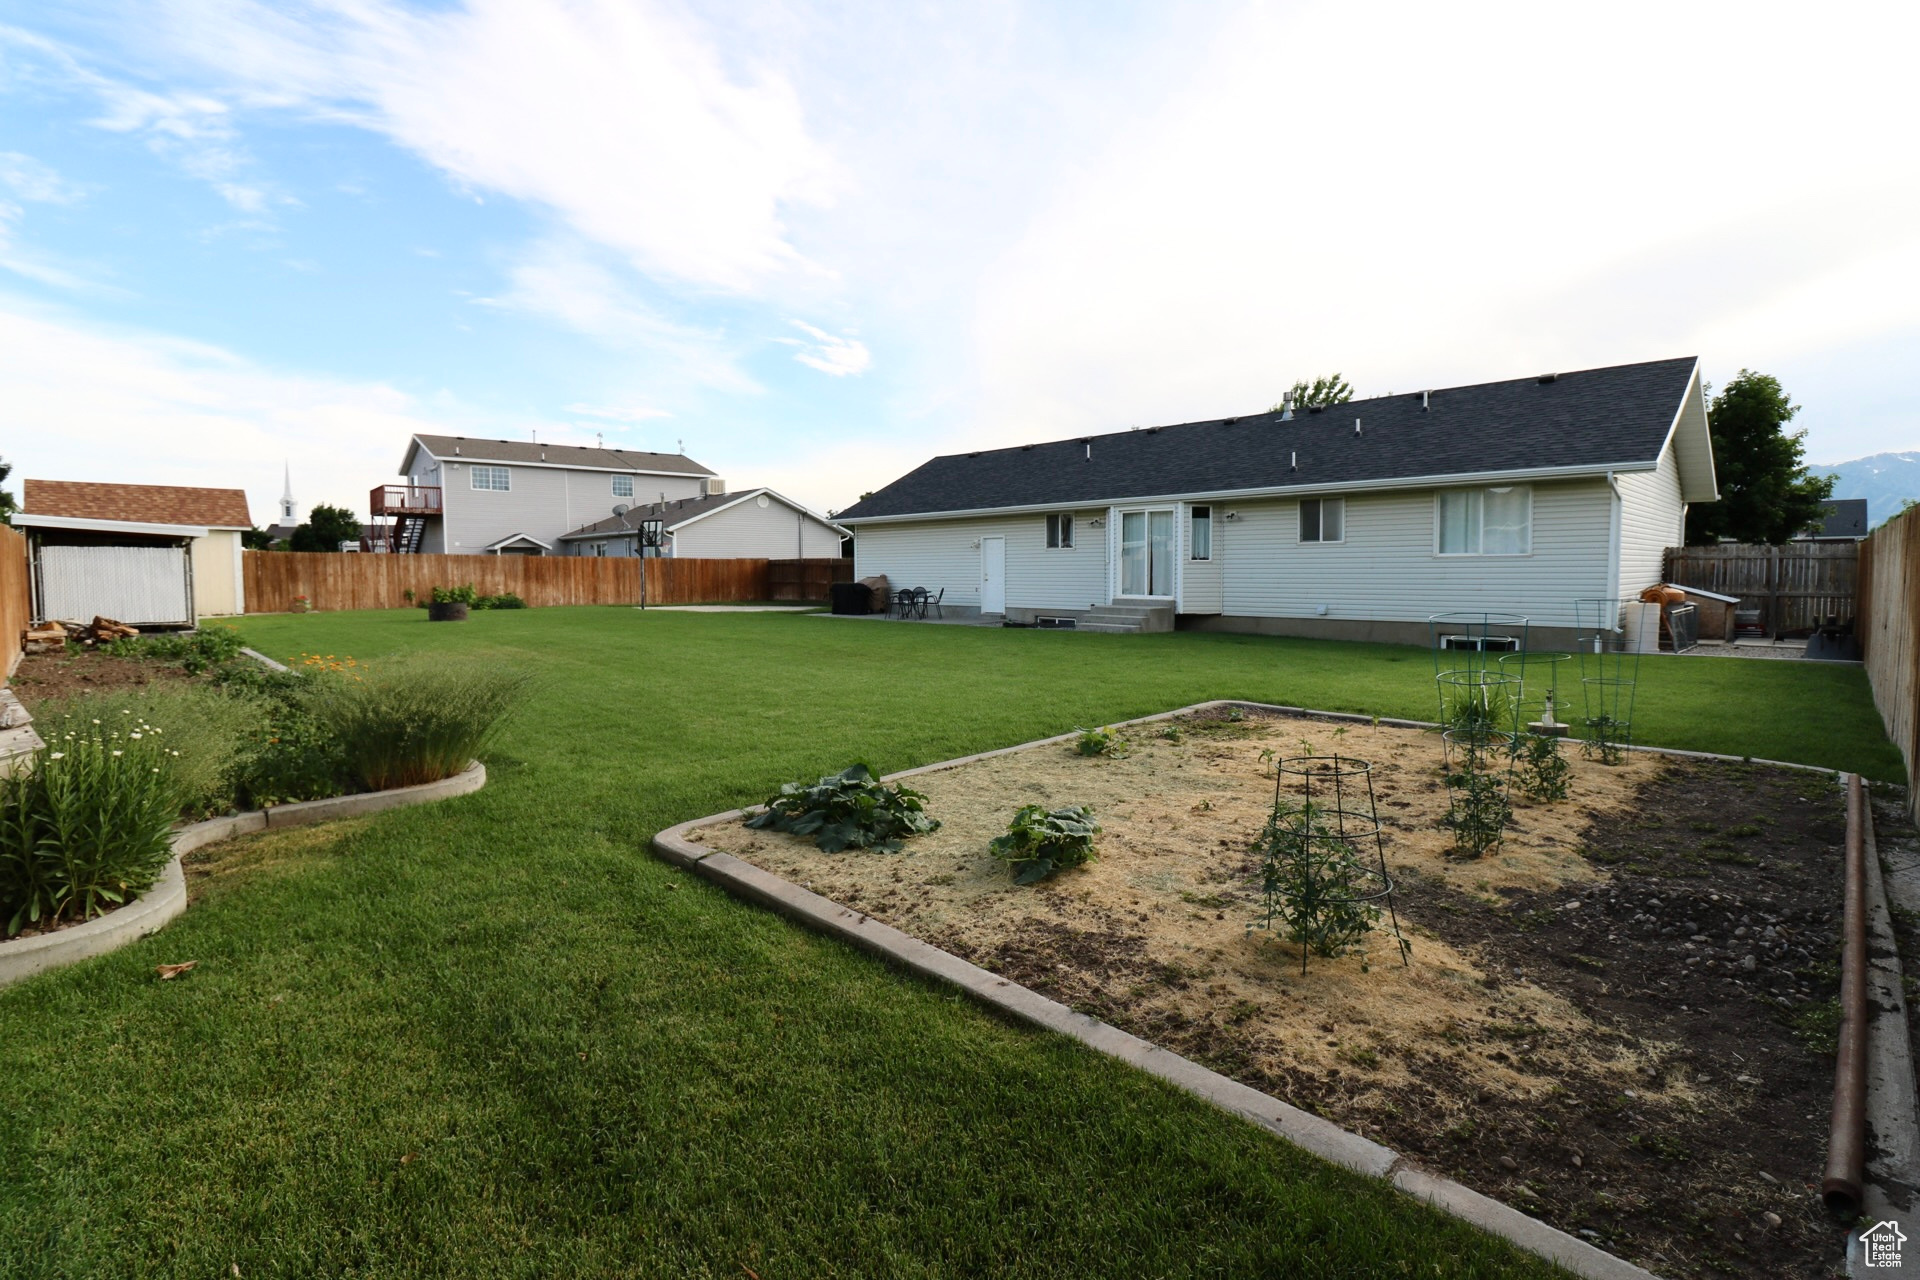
125, 711
134, 736
96, 720
58, 755
119, 753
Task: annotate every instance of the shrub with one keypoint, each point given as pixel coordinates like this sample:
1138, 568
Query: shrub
1478, 809
463, 594
204, 734
86, 828
197, 651
1543, 770
1103, 741
505, 600
1313, 881
1042, 841
416, 719
849, 809
1605, 739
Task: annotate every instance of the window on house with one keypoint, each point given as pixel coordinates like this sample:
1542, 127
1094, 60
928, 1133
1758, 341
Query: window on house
1323, 519
1496, 521
1202, 546
623, 486
1060, 531
494, 478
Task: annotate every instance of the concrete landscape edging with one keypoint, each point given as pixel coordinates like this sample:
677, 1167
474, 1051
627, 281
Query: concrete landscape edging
1309, 1132
22, 958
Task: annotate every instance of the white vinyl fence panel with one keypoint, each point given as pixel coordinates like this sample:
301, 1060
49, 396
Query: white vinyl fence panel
140, 586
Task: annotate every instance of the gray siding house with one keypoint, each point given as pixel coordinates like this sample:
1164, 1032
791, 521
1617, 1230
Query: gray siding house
468, 496
758, 524
1356, 521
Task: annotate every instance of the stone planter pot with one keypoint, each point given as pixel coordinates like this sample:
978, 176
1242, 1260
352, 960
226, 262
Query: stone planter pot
447, 611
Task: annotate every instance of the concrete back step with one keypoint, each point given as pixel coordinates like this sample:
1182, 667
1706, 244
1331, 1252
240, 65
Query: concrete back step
1142, 617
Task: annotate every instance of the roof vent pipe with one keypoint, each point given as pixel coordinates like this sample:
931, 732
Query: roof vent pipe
1293, 460
1356, 426
1423, 400
1286, 407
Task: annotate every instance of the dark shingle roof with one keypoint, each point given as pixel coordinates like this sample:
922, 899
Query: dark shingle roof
1592, 418
564, 455
670, 514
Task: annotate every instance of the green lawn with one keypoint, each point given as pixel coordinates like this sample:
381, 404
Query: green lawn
496, 1037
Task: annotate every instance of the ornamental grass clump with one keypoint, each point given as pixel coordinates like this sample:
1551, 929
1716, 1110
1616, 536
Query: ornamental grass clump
405, 721
86, 828
851, 809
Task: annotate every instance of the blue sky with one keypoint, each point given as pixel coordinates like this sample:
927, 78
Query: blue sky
819, 244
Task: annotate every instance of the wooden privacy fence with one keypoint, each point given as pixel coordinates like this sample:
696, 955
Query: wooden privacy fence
1889, 631
276, 579
1795, 588
806, 579
16, 607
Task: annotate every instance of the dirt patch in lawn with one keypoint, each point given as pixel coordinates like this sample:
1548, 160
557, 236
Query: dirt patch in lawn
44, 677
1620, 1021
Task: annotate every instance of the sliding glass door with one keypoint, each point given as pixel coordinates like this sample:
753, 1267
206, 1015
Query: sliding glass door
1146, 553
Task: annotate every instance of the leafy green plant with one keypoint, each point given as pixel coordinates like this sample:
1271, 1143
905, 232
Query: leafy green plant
462, 594
851, 809
1543, 771
415, 719
1478, 809
1313, 881
86, 827
1480, 709
1104, 741
1605, 740
1041, 841
505, 600
196, 651
203, 734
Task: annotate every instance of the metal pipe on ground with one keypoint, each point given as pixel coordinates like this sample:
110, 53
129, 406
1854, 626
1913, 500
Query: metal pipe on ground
1843, 1188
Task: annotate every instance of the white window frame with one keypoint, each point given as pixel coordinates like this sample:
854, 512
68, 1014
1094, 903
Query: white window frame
1194, 517
1319, 523
505, 476
1060, 531
1479, 530
618, 492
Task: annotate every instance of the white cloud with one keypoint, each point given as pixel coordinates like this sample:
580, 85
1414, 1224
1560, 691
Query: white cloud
620, 117
829, 353
34, 181
618, 413
146, 409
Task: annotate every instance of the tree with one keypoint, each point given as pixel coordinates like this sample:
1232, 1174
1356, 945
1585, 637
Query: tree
7, 505
256, 539
326, 528
1766, 494
1318, 394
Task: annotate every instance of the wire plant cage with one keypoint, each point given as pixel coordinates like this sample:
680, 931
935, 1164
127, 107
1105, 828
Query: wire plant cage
1481, 701
1609, 674
1323, 859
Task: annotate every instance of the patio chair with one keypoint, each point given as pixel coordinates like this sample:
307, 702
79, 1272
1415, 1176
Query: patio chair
933, 600
903, 603
921, 599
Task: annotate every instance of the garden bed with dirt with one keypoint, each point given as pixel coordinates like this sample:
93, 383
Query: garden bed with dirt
45, 677
1620, 1021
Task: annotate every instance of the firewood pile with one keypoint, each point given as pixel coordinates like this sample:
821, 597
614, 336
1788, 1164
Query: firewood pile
52, 637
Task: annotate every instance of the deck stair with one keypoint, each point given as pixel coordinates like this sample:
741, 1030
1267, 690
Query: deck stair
1127, 619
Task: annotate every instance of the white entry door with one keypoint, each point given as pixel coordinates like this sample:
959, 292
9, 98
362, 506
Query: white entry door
1146, 553
993, 575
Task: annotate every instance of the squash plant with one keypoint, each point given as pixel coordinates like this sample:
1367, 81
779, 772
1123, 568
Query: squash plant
1042, 841
851, 809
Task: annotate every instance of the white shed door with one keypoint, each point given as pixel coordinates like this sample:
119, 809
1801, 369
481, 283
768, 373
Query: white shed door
140, 586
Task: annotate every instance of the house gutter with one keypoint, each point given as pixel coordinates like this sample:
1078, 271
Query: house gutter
112, 526
1273, 491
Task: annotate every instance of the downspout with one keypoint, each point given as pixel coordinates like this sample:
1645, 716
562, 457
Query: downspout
1844, 1185
1613, 538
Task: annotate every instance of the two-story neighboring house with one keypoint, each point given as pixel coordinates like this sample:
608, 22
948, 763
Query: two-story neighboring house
468, 496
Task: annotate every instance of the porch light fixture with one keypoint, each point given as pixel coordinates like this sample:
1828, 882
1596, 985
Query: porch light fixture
1098, 522
1233, 515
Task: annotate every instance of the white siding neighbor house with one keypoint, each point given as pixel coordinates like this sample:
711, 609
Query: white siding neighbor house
1358, 521
758, 524
143, 554
466, 496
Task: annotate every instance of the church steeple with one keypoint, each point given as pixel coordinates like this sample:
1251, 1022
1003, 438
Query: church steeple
286, 500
